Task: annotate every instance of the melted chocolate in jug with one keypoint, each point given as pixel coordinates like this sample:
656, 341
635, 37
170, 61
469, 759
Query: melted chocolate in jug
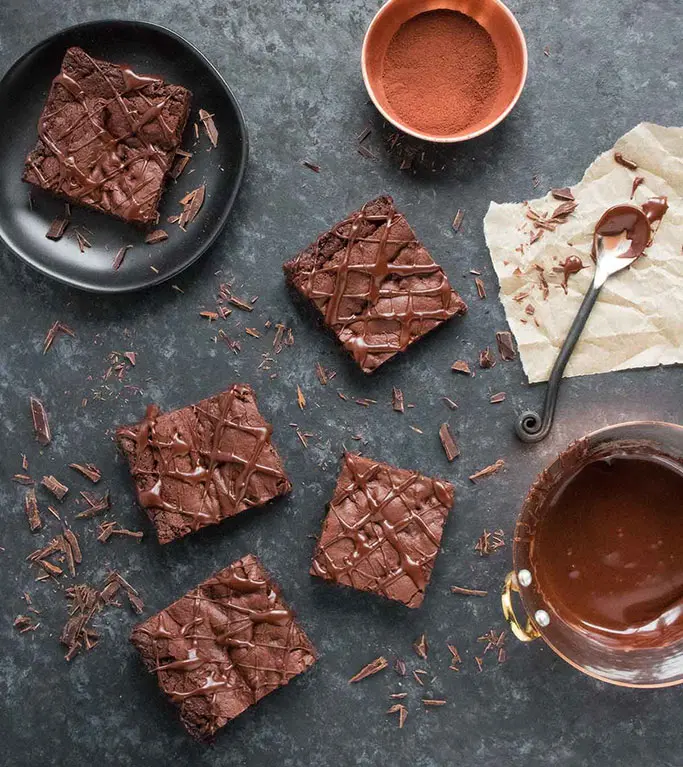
608, 553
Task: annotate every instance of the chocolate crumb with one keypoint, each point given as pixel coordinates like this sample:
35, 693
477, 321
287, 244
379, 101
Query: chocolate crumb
488, 470
209, 126
619, 157
375, 666
41, 425
397, 400
32, 511
448, 443
54, 486
506, 345
57, 229
486, 358
158, 235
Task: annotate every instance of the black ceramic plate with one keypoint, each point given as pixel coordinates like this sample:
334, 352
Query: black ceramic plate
148, 49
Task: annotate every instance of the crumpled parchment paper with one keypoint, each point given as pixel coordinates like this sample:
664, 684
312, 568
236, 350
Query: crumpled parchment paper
638, 319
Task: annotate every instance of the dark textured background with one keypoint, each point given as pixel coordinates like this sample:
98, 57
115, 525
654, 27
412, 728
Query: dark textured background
294, 67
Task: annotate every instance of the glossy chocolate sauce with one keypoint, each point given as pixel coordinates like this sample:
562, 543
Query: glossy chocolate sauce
608, 552
638, 223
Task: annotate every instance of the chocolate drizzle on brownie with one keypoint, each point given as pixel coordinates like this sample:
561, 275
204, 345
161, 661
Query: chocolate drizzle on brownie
375, 285
383, 530
224, 646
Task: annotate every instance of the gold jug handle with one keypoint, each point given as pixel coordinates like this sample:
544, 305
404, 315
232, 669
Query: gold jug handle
524, 633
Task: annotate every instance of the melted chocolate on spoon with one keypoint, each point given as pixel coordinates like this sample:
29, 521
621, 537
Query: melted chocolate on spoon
608, 553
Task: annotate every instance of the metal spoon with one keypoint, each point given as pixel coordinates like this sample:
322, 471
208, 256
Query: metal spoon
620, 236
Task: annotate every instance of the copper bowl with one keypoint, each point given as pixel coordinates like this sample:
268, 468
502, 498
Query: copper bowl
628, 667
496, 19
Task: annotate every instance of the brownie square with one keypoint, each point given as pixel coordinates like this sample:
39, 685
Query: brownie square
375, 286
224, 646
383, 529
107, 137
196, 466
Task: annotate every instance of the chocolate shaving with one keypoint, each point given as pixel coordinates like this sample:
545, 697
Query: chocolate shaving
182, 158
82, 242
22, 623
468, 592
96, 505
488, 470
107, 529
363, 151
54, 486
397, 400
88, 470
72, 540
460, 366
158, 235
399, 695
360, 138
57, 229
565, 193
486, 358
311, 166
402, 711
41, 425
209, 126
379, 664
400, 667
489, 542
300, 399
53, 332
562, 211
131, 357
448, 443
455, 657
457, 221
619, 157
452, 405
22, 479
32, 511
118, 258
421, 647
481, 288
506, 345
433, 702
322, 375
240, 304
192, 204
496, 399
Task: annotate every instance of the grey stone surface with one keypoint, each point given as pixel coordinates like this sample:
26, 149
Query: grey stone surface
295, 68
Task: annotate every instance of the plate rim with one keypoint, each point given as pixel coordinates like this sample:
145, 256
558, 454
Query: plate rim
222, 220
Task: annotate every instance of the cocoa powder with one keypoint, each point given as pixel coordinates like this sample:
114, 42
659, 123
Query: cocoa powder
440, 73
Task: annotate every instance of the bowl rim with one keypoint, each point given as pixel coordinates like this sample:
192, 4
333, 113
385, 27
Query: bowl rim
446, 139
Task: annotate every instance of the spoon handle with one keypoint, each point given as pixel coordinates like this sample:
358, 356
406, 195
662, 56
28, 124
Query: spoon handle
531, 427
